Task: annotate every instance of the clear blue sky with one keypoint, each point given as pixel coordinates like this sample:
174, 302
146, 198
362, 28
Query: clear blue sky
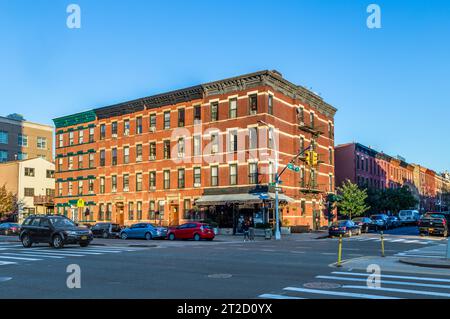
391, 85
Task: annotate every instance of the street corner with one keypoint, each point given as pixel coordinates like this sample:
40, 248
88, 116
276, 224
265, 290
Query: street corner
426, 262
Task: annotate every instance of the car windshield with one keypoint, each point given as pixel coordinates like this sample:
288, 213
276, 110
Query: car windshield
341, 223
377, 217
435, 216
62, 222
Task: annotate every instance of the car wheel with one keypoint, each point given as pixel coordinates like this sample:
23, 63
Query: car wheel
196, 237
84, 244
172, 237
57, 242
26, 241
105, 235
124, 235
148, 236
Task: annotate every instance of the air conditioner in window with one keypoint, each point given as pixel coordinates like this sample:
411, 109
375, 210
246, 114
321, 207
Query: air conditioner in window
114, 136
152, 157
152, 188
126, 189
153, 129
253, 112
126, 132
139, 158
197, 184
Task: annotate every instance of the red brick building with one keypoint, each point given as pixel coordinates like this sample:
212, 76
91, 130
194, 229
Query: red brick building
204, 152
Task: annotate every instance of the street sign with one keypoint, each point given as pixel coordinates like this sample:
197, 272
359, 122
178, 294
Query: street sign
80, 203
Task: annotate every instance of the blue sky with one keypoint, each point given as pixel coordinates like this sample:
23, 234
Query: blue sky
391, 85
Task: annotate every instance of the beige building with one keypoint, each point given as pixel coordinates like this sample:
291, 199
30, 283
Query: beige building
33, 181
20, 140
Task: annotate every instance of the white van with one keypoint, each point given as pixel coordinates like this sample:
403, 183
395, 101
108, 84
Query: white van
408, 216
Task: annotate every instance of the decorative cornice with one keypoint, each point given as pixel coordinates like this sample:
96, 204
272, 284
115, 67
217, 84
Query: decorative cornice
75, 119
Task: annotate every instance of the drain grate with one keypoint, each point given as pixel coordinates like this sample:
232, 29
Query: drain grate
321, 285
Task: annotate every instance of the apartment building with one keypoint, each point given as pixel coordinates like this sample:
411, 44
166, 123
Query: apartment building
33, 181
20, 140
205, 152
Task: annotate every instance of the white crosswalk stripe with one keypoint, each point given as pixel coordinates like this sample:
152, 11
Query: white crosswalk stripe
349, 284
389, 239
436, 251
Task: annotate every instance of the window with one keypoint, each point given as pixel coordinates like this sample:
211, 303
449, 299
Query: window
80, 187
80, 161
80, 137
232, 144
152, 180
302, 178
50, 173
3, 156
301, 115
197, 176
114, 129
271, 174
214, 111
3, 137
303, 207
271, 138
330, 130
70, 162
186, 208
91, 134
126, 183
214, 176
253, 173
126, 127
114, 156
253, 104
108, 211
102, 158
61, 140
60, 164
114, 183
233, 108
330, 156
139, 182
91, 186
151, 210
70, 187
181, 116
197, 145
180, 146
270, 104
29, 171
29, 192
102, 131
311, 119
152, 122
139, 125
152, 155
167, 120
130, 210
23, 140
91, 160
166, 179
167, 149
42, 143
313, 179
139, 210
139, 153
60, 189
330, 183
197, 114
214, 143
233, 174
22, 156
181, 175
252, 138
102, 185
302, 144
126, 155
101, 212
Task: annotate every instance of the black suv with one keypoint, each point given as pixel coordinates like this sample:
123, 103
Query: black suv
106, 230
55, 230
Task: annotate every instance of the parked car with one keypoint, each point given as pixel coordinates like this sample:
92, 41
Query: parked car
8, 229
365, 223
344, 228
55, 230
143, 231
434, 224
409, 216
106, 230
380, 221
196, 231
394, 222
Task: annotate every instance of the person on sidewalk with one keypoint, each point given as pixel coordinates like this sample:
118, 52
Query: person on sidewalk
245, 228
251, 230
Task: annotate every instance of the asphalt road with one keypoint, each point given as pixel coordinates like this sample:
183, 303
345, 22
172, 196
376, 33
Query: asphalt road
223, 269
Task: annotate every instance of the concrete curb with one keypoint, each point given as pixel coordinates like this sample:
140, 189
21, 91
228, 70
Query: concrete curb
427, 262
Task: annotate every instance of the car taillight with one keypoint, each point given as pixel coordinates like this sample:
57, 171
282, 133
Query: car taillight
444, 221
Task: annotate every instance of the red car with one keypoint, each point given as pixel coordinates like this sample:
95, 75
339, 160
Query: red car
194, 230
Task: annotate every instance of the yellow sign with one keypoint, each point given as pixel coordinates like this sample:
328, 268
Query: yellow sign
80, 203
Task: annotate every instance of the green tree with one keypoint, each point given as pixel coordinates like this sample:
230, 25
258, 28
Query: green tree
352, 200
9, 203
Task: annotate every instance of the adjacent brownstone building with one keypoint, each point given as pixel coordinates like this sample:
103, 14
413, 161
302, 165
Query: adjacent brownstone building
204, 152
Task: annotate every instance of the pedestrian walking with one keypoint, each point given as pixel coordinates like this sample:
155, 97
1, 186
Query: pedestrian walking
245, 228
251, 230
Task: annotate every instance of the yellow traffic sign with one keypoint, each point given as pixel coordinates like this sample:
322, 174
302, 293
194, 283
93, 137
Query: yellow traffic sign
80, 203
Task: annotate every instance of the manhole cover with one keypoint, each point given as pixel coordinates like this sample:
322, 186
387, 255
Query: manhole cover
321, 285
220, 276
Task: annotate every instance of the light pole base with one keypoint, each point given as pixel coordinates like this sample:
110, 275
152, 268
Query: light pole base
277, 235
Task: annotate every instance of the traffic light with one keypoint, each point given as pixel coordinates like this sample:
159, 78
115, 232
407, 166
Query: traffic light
315, 158
308, 157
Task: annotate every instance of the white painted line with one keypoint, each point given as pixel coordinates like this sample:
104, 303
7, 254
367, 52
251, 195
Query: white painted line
97, 251
34, 255
7, 263
272, 296
406, 291
19, 258
419, 256
389, 282
338, 293
49, 252
411, 241
393, 276
297, 252
397, 240
328, 254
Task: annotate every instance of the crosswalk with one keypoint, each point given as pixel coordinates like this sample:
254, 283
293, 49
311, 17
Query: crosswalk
12, 254
435, 251
354, 284
392, 239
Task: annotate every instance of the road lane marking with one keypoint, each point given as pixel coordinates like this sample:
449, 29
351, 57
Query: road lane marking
19, 258
389, 282
273, 296
419, 256
34, 255
406, 291
65, 252
393, 276
338, 293
7, 263
49, 252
